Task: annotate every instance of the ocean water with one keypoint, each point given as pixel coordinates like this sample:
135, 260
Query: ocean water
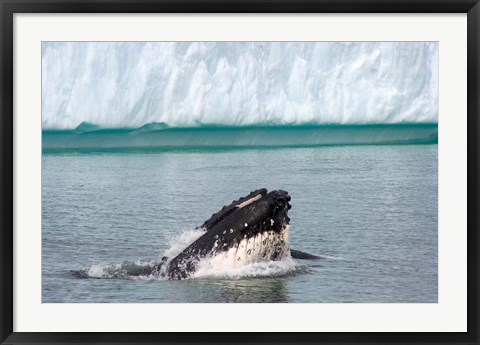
369, 211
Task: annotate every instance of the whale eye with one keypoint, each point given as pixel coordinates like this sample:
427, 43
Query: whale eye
264, 241
249, 252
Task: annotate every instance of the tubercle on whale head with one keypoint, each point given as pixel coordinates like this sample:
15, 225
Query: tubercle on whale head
280, 205
280, 198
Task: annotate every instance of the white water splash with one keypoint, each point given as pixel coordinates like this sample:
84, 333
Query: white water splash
182, 241
125, 270
101, 271
218, 266
129, 84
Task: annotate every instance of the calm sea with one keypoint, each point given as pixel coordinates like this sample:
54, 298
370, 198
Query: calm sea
370, 212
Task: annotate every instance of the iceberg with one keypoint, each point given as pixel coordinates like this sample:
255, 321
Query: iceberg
191, 84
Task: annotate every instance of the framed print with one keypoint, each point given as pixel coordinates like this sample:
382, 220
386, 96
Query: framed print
345, 133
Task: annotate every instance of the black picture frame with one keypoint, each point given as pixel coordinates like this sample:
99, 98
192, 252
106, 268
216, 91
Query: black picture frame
10, 7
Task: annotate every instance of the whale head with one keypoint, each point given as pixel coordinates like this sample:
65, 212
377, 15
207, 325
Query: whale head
254, 228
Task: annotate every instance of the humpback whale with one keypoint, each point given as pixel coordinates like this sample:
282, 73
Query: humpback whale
254, 228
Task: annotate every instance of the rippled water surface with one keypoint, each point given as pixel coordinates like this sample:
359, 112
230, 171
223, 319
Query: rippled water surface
370, 212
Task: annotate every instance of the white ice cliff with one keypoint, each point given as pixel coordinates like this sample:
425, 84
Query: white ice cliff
238, 83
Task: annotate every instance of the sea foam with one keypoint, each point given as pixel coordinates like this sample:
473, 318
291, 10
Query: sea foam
215, 267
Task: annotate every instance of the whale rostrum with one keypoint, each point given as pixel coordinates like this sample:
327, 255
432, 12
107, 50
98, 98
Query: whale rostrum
254, 228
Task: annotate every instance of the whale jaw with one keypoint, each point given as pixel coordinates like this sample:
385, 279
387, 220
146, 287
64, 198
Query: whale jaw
265, 246
252, 229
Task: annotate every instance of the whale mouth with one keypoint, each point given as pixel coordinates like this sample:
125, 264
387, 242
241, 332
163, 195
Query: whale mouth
267, 240
251, 229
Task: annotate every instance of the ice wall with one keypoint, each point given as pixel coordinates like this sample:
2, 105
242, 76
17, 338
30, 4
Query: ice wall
238, 83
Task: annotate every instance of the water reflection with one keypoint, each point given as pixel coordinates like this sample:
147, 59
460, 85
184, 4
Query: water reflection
265, 290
